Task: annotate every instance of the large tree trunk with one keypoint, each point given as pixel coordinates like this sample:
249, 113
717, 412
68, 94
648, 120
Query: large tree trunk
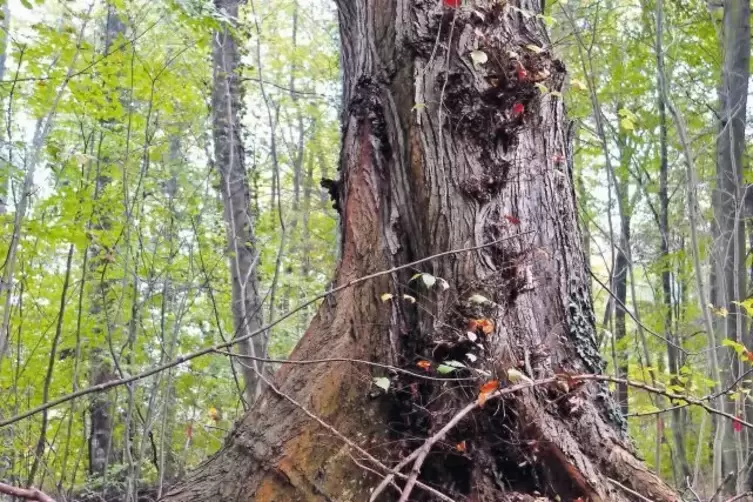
729, 272
239, 218
434, 158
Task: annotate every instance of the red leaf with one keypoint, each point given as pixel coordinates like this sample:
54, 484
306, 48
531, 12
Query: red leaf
737, 425
558, 159
189, 431
512, 219
521, 71
453, 3
518, 109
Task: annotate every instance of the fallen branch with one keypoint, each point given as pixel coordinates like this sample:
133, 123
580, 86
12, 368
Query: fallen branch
25, 493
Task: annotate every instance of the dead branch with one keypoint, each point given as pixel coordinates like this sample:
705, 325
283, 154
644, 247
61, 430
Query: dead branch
25, 493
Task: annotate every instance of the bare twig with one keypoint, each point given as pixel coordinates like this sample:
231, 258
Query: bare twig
350, 443
188, 357
343, 360
628, 490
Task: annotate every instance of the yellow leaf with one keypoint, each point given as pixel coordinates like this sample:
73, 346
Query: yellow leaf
534, 48
386, 297
516, 376
578, 85
214, 414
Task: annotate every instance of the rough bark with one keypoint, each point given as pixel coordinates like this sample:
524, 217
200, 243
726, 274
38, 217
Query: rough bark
234, 186
729, 272
435, 158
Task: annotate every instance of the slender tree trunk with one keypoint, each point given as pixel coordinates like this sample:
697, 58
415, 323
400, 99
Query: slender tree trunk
673, 355
435, 158
234, 185
729, 249
101, 369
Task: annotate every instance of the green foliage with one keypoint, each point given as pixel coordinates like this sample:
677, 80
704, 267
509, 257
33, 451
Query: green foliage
152, 229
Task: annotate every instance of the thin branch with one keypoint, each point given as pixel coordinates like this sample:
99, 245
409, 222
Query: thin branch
350, 443
209, 350
628, 490
342, 360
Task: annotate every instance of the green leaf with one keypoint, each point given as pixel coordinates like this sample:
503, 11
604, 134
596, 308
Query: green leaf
738, 347
746, 304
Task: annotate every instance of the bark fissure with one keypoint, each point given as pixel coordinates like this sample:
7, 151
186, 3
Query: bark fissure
442, 151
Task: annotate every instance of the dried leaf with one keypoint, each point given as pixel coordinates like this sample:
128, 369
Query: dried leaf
429, 280
382, 383
479, 57
478, 299
460, 446
424, 365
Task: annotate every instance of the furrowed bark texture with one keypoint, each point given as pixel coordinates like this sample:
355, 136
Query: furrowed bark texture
436, 157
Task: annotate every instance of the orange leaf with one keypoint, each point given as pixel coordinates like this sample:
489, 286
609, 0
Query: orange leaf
486, 391
482, 399
487, 326
424, 365
490, 386
473, 325
460, 446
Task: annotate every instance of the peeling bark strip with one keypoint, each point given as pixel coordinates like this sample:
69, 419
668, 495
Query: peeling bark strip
446, 143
